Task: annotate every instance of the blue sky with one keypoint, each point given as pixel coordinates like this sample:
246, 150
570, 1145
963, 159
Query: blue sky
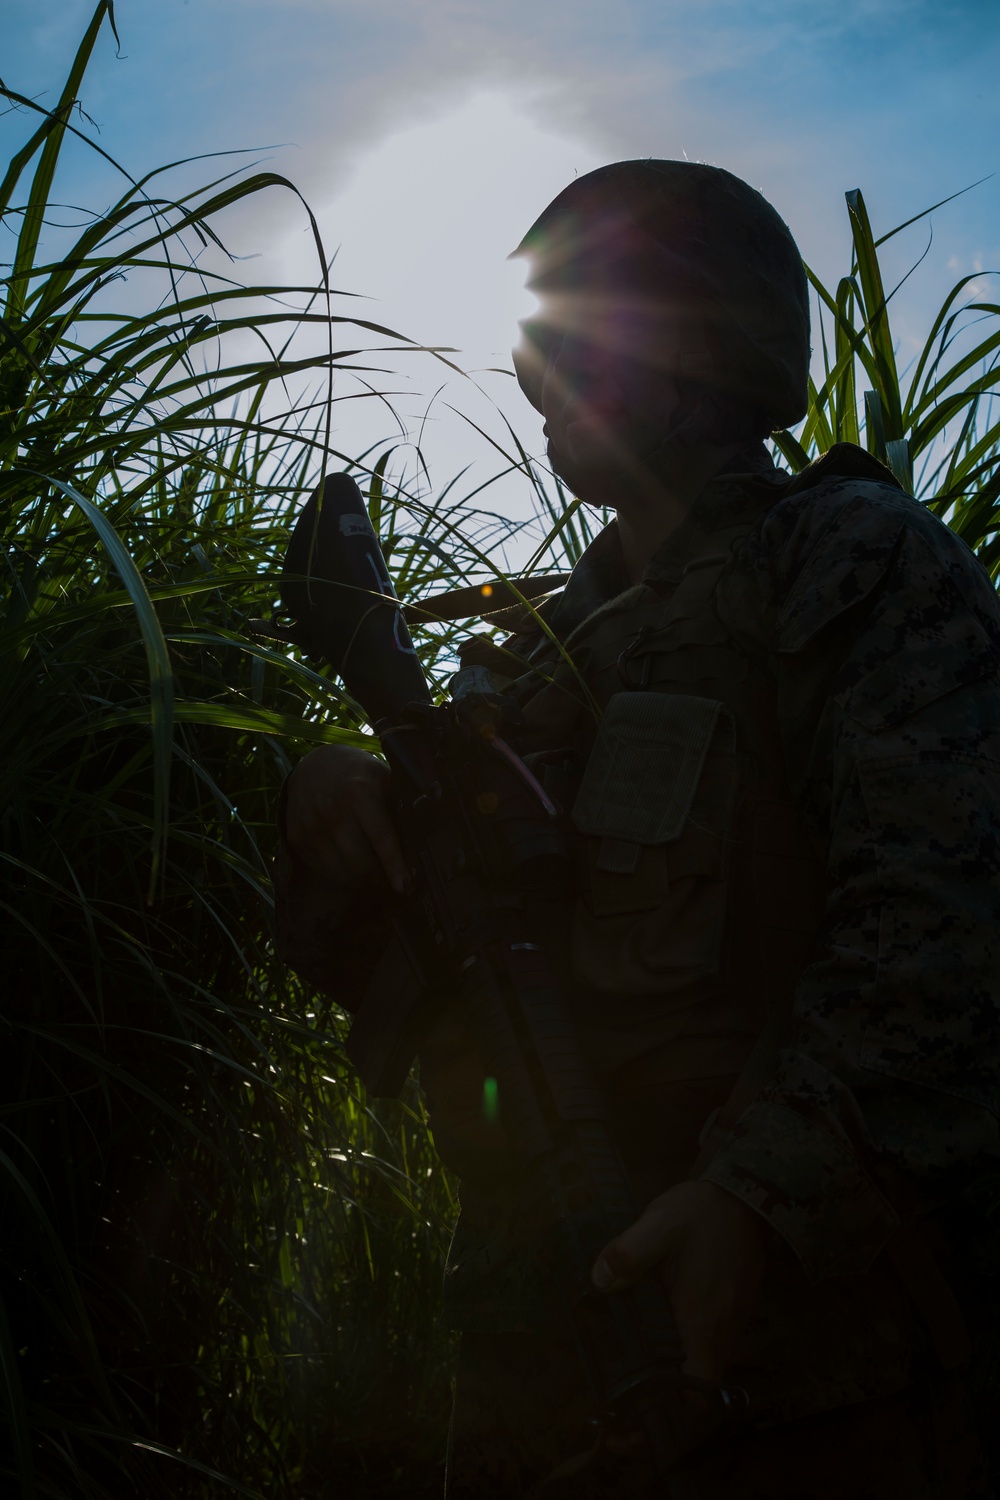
428, 133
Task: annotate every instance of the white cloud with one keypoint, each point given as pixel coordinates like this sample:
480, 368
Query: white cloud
423, 224
429, 132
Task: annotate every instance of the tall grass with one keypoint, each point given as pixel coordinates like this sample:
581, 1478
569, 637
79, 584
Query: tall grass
933, 423
220, 1261
213, 1246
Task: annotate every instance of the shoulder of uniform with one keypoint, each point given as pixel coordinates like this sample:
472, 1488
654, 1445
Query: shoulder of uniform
847, 499
840, 526
844, 477
843, 461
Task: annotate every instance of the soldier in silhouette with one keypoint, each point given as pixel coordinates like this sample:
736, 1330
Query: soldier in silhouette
785, 937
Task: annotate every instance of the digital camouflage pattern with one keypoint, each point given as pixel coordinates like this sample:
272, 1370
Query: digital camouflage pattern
840, 851
885, 633
835, 615
882, 633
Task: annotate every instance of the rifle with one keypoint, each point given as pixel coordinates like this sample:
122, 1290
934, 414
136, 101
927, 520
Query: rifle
481, 925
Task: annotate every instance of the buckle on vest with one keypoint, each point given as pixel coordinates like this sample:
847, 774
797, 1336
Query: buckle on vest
624, 662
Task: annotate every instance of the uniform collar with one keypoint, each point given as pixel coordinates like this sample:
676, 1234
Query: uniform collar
747, 486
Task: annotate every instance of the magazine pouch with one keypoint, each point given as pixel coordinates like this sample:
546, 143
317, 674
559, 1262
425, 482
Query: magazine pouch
654, 812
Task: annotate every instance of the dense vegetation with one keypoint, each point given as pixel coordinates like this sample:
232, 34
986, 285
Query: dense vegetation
219, 1264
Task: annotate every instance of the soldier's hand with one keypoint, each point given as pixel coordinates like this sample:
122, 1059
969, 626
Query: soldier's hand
337, 819
710, 1250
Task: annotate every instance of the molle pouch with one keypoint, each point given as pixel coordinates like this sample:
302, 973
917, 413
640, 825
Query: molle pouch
655, 811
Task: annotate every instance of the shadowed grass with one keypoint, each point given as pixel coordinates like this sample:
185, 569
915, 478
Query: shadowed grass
935, 424
212, 1242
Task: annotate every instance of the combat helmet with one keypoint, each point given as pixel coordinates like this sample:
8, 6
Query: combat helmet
719, 254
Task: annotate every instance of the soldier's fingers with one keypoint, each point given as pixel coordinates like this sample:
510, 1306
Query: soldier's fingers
641, 1247
376, 821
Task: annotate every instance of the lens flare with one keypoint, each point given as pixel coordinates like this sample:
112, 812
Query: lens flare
491, 1101
521, 299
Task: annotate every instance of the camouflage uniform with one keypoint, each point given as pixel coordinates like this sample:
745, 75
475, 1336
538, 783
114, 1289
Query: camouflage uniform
820, 656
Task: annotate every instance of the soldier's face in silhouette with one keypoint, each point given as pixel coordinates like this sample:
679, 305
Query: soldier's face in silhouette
606, 350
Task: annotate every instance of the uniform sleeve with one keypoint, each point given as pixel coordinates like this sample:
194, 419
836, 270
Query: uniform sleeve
887, 1092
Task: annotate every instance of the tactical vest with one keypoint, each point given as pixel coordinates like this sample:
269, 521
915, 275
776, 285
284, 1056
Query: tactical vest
700, 892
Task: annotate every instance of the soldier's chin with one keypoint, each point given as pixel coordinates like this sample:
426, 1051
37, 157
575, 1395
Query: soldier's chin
595, 440
597, 472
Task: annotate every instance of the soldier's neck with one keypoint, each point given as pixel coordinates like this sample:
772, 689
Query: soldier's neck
647, 514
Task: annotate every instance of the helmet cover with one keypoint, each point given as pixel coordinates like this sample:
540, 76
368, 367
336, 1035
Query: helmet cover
711, 248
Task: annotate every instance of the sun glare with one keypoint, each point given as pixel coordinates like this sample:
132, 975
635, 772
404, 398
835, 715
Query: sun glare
423, 225
521, 300
430, 214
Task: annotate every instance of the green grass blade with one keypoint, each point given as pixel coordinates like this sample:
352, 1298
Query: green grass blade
791, 450
900, 461
18, 1427
27, 242
161, 680
876, 314
915, 218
